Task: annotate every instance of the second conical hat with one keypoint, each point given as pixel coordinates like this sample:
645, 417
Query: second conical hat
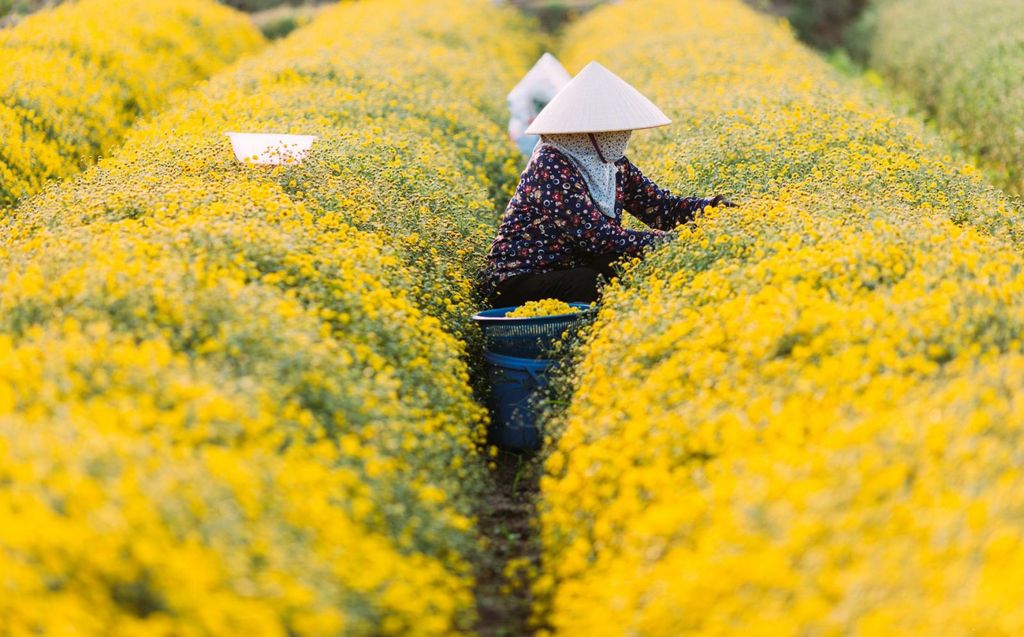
544, 80
597, 101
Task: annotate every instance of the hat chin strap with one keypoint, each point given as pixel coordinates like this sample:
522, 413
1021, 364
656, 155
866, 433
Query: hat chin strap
597, 147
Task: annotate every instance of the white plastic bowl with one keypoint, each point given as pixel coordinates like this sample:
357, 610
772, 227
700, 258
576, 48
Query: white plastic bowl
264, 148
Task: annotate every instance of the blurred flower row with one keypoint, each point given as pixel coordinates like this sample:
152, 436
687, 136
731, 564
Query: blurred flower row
73, 80
963, 61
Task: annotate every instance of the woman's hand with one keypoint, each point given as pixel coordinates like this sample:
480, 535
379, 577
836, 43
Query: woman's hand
720, 200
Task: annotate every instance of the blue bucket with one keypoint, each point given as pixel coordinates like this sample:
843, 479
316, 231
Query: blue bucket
514, 382
528, 337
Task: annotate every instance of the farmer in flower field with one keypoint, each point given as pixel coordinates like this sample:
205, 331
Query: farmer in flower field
562, 231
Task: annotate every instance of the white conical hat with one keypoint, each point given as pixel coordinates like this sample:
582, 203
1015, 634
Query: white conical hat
544, 80
597, 101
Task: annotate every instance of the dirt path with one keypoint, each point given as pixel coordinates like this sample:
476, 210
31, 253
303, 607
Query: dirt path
506, 519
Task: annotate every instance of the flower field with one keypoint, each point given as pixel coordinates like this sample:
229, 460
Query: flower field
975, 94
804, 415
52, 60
239, 399
233, 400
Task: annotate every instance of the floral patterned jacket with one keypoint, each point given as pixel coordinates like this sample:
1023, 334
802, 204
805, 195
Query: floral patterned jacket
551, 223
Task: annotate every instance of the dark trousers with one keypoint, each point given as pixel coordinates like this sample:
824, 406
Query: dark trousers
578, 285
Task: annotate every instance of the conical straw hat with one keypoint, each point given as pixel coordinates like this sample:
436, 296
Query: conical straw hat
597, 101
547, 76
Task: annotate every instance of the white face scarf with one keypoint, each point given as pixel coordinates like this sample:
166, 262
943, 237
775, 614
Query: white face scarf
594, 154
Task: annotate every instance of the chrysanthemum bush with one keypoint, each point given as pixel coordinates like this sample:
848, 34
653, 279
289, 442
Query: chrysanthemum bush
74, 79
964, 63
802, 416
230, 398
218, 330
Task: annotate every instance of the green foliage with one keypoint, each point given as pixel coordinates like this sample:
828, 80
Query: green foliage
280, 27
25, 7
822, 23
279, 22
261, 5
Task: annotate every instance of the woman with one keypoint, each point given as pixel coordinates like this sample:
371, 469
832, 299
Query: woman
562, 231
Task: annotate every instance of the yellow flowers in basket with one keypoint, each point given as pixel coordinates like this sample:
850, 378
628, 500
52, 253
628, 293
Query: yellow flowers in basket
544, 307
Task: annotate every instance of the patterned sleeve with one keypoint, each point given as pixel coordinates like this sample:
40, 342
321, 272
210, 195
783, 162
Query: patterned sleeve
655, 206
567, 200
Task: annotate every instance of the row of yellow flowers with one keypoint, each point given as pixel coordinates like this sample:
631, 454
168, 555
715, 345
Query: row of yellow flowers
229, 404
74, 79
803, 416
411, 141
963, 62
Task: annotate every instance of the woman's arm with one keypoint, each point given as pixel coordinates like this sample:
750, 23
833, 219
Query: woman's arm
655, 206
593, 233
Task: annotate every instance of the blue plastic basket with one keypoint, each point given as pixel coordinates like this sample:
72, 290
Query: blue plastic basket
527, 337
514, 385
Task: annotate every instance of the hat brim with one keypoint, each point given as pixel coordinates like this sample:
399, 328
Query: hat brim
570, 130
597, 101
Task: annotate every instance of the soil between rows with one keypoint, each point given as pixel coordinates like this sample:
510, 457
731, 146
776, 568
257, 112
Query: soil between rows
506, 519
